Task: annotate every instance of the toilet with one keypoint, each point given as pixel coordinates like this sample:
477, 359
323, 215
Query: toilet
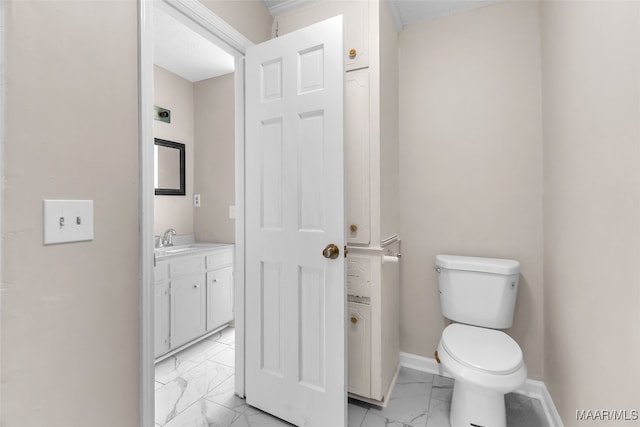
479, 296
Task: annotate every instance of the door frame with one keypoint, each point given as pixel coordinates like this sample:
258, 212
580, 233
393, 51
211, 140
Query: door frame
202, 20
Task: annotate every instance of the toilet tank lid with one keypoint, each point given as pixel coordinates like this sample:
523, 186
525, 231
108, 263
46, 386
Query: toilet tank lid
484, 265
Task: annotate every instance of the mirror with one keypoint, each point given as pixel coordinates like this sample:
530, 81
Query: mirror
169, 168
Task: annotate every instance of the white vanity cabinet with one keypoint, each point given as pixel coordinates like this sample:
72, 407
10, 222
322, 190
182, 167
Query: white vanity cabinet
371, 182
193, 296
219, 297
161, 309
188, 309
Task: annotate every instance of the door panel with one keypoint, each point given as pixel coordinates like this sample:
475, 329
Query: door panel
295, 297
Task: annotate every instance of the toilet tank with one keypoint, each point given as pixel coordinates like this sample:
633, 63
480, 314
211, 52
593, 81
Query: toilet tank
478, 291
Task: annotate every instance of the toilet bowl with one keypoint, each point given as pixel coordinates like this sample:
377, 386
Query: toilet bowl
485, 363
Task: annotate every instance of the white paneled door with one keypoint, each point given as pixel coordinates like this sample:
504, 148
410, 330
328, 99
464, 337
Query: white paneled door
295, 272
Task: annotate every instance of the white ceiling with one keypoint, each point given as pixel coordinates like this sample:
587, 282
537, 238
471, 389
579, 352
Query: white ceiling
413, 11
191, 56
186, 53
405, 12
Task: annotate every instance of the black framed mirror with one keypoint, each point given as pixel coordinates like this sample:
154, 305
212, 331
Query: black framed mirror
169, 168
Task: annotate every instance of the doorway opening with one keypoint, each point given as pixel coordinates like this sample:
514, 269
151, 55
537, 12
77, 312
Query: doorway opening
185, 27
319, 276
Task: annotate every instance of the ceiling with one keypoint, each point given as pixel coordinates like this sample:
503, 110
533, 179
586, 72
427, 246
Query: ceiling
193, 57
186, 53
404, 12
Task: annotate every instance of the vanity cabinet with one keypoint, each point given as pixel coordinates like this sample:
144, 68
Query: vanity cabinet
193, 296
161, 310
219, 297
371, 182
188, 309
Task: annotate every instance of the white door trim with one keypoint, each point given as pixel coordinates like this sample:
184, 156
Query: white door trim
145, 153
2, 122
200, 19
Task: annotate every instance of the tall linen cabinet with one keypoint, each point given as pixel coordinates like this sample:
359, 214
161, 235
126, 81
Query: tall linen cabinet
371, 175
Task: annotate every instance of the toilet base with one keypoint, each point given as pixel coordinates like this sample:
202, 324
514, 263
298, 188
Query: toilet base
475, 406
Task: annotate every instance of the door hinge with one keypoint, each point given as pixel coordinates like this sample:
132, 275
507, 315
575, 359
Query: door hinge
154, 259
346, 251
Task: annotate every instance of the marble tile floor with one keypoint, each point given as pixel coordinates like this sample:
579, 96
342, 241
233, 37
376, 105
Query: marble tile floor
194, 388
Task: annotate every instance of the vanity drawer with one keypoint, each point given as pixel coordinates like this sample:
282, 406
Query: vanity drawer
185, 266
219, 259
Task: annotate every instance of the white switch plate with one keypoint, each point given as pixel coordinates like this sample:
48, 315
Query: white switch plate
68, 221
232, 211
196, 200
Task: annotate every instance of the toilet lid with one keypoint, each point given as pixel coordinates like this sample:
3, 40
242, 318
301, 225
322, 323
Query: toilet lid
481, 348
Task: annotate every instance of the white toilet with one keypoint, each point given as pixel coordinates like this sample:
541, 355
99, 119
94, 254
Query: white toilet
480, 295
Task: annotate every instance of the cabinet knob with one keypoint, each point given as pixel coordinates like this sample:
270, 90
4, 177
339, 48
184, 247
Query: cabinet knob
196, 285
354, 320
215, 280
353, 228
352, 53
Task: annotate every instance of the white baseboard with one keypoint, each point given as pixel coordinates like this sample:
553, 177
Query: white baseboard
421, 363
531, 388
538, 390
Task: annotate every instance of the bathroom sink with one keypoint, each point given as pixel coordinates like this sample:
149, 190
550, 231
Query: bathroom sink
185, 249
178, 250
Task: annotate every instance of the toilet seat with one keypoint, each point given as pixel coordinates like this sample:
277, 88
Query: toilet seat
484, 349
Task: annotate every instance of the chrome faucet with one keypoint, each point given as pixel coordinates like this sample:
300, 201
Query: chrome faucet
167, 239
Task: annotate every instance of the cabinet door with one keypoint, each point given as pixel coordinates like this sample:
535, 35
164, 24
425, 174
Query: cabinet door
359, 322
188, 309
219, 297
161, 317
357, 157
355, 26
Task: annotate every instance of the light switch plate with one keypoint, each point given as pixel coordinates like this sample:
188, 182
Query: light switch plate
68, 221
232, 211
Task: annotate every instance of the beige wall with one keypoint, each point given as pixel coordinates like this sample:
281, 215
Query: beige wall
176, 94
70, 319
250, 17
591, 92
215, 158
70, 311
471, 162
389, 209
